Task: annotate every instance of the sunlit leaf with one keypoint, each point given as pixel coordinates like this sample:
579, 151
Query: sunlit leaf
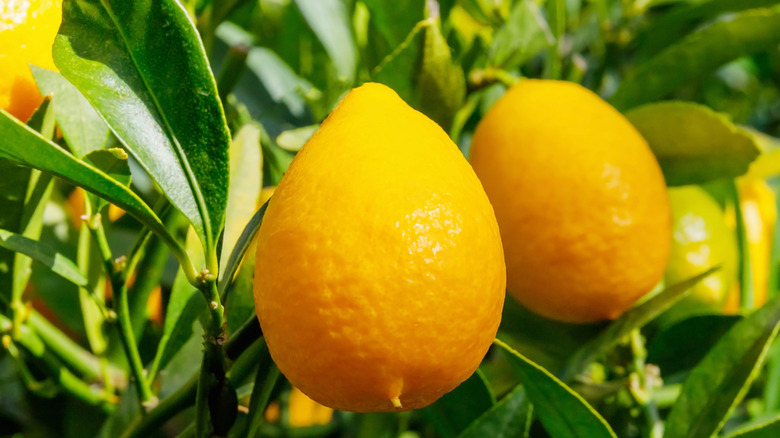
82, 127
563, 412
721, 379
123, 57
692, 143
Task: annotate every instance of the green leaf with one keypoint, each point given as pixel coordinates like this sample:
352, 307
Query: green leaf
44, 254
143, 68
634, 318
682, 345
23, 145
239, 249
441, 83
563, 412
330, 21
699, 53
13, 190
113, 162
394, 20
82, 127
456, 410
246, 181
399, 67
694, 144
509, 418
524, 34
185, 305
770, 429
722, 378
278, 78
671, 26
294, 139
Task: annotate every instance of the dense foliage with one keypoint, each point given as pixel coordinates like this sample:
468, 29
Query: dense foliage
180, 112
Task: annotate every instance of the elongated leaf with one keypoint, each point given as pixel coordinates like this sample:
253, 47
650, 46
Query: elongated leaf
184, 306
524, 34
562, 411
23, 145
143, 68
720, 381
509, 418
694, 144
456, 410
633, 319
330, 21
41, 253
13, 188
246, 181
281, 82
765, 430
394, 20
671, 27
239, 249
682, 345
82, 127
699, 53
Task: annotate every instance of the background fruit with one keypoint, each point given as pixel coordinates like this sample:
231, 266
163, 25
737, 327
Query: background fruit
579, 198
380, 275
701, 240
27, 31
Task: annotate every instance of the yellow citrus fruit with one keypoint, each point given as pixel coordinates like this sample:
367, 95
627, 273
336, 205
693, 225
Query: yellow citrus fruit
27, 31
380, 276
701, 239
759, 211
579, 197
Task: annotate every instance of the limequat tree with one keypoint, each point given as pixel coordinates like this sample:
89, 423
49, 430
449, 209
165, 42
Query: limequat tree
361, 218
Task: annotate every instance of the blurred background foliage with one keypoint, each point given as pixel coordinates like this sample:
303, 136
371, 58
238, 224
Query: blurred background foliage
282, 65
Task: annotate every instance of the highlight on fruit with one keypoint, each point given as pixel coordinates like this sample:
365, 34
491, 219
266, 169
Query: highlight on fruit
415, 219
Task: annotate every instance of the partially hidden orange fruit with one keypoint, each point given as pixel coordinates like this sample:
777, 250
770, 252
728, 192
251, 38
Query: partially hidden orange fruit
27, 31
579, 197
380, 278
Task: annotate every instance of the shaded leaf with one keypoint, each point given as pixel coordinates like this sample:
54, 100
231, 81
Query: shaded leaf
185, 305
509, 418
82, 127
124, 56
456, 410
563, 412
524, 34
394, 20
721, 379
279, 79
113, 162
770, 429
682, 345
692, 143
699, 53
636, 317
44, 254
330, 21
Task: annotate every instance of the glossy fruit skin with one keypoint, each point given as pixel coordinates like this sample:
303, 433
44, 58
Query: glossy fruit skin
380, 276
701, 240
27, 31
579, 197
